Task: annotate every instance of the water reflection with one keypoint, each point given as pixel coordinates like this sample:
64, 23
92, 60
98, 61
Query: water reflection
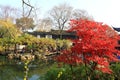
17, 70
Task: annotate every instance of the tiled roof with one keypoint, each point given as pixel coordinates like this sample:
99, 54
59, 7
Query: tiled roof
117, 29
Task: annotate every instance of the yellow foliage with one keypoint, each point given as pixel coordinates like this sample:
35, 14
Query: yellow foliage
59, 74
5, 23
12, 30
1, 48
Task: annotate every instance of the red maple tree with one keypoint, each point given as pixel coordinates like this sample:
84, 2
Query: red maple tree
94, 45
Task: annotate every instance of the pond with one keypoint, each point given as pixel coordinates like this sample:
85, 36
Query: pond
17, 70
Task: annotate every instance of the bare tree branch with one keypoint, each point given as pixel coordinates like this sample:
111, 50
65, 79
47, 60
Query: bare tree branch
28, 4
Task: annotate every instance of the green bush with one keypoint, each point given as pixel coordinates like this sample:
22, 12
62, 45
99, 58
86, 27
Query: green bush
55, 74
65, 73
79, 73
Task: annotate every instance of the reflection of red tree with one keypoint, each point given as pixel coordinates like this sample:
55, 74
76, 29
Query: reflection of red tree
95, 45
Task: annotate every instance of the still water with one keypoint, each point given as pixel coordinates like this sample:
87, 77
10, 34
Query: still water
17, 70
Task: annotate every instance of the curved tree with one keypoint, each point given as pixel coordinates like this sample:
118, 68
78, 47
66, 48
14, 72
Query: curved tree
8, 34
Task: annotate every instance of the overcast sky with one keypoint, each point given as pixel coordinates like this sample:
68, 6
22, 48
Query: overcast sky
106, 11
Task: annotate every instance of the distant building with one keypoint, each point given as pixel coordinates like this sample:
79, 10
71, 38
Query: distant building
55, 34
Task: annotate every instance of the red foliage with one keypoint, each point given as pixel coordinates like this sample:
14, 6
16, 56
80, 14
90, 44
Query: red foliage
95, 43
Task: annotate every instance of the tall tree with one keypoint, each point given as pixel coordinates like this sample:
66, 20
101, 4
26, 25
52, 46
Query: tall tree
60, 15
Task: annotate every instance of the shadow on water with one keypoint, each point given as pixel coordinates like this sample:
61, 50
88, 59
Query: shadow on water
25, 70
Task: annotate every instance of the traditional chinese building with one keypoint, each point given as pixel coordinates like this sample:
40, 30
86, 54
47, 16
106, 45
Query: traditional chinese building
55, 34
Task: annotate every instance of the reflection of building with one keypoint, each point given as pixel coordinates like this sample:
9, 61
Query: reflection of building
53, 34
